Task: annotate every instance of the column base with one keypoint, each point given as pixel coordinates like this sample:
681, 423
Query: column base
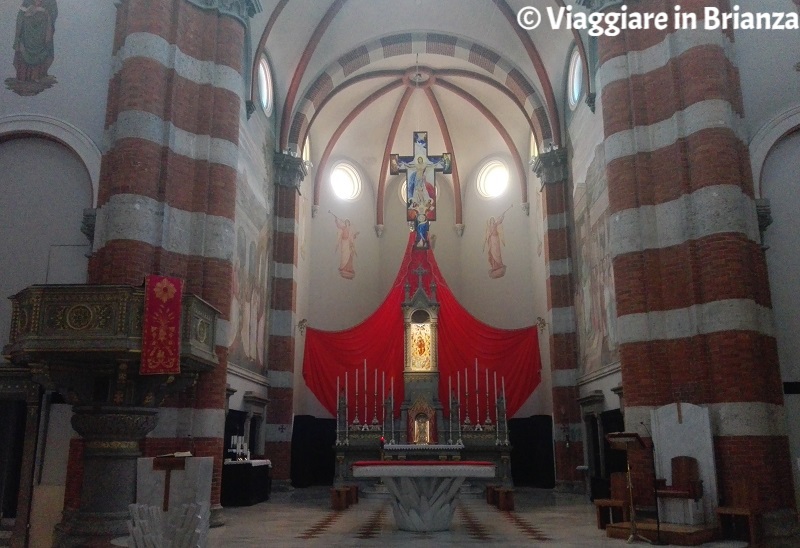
217, 516
575, 487
87, 529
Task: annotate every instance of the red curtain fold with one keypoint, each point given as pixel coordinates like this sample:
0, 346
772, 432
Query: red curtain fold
511, 355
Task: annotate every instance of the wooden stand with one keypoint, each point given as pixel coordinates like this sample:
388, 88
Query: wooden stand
625, 441
168, 464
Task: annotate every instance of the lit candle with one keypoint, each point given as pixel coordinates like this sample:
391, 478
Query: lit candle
496, 418
345, 397
450, 391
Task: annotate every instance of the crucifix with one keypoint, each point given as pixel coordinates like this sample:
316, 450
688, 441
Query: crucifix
420, 170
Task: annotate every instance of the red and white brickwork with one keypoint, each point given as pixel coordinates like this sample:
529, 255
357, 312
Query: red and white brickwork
551, 168
693, 303
167, 187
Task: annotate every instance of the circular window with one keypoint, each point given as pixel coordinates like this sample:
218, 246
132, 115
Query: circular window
575, 84
264, 86
345, 181
492, 179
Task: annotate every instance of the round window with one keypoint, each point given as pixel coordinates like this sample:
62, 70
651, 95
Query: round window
575, 83
345, 181
492, 179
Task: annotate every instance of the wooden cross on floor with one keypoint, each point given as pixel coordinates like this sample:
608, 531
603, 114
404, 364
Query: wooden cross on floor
420, 170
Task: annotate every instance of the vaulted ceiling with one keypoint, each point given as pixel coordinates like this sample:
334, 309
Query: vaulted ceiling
359, 76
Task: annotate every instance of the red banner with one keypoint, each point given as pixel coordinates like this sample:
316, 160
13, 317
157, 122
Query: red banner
161, 326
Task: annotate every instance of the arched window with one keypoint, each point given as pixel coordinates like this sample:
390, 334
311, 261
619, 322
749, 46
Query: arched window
493, 179
345, 181
265, 86
575, 81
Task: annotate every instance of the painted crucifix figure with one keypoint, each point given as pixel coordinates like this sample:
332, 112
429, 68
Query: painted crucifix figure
420, 172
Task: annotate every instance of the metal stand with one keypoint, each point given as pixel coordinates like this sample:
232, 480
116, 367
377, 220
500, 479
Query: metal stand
658, 541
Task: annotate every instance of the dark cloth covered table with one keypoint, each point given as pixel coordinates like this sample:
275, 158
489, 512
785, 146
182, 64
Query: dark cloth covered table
245, 483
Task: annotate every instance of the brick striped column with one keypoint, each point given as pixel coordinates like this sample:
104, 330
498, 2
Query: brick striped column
168, 181
693, 303
289, 173
552, 169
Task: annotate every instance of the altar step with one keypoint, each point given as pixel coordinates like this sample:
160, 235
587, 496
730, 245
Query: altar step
671, 533
468, 490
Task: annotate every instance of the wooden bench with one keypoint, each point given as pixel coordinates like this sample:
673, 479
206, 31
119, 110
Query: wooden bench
339, 496
505, 499
743, 504
618, 507
491, 494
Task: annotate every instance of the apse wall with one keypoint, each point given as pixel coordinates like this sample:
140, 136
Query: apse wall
779, 184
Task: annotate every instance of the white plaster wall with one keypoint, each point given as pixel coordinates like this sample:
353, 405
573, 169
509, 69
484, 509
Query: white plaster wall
44, 189
781, 186
766, 61
83, 38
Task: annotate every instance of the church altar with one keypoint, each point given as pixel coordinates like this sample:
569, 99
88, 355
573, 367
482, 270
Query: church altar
472, 426
423, 493
421, 379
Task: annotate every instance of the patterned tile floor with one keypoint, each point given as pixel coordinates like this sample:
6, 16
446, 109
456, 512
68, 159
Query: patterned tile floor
302, 517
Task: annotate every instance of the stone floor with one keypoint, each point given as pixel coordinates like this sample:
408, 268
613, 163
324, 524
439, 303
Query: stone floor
302, 517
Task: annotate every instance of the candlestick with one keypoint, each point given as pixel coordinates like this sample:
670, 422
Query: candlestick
496, 418
337, 409
488, 415
383, 396
450, 390
450, 409
477, 396
366, 417
355, 407
345, 399
458, 395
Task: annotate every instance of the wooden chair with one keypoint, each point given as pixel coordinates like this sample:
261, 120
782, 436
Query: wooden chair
743, 504
686, 482
618, 506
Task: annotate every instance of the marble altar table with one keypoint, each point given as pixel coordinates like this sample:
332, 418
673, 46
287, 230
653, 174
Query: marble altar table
423, 493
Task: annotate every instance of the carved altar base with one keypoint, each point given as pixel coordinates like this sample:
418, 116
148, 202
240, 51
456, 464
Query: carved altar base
423, 493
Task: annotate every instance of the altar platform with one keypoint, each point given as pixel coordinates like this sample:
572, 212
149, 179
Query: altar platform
303, 517
671, 533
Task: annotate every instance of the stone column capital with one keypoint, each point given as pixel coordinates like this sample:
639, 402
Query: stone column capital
551, 166
289, 170
241, 10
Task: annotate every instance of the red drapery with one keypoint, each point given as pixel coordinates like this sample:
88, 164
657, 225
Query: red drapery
510, 355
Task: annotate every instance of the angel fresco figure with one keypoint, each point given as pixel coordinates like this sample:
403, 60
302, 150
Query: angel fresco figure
33, 47
493, 240
345, 246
